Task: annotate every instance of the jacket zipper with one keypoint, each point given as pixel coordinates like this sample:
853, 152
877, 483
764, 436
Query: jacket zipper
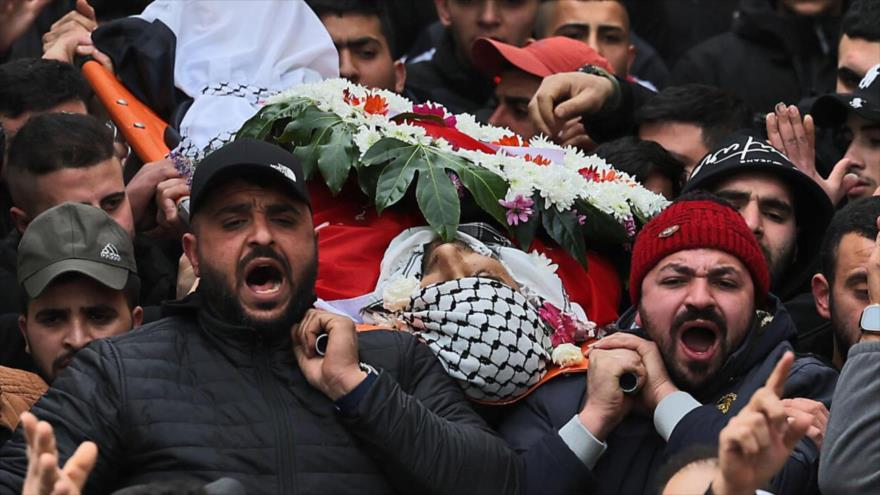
282, 417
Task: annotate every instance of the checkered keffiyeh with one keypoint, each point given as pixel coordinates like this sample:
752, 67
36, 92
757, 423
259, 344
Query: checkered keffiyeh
488, 336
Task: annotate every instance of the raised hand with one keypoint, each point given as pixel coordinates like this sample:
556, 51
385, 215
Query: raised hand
565, 96
44, 477
796, 139
337, 372
16, 17
757, 442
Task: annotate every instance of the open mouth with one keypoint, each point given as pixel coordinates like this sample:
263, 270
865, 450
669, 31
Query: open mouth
699, 339
264, 277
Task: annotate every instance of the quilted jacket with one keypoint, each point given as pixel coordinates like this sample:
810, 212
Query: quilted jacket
190, 397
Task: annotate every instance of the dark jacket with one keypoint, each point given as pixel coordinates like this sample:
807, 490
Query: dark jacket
190, 397
767, 57
635, 450
444, 79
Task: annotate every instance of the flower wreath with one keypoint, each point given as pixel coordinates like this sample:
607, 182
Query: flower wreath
335, 126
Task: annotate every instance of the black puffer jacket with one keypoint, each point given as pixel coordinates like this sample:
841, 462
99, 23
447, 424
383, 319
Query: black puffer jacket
189, 397
767, 57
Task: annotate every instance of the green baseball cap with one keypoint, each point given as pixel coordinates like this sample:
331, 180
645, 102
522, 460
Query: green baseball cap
74, 238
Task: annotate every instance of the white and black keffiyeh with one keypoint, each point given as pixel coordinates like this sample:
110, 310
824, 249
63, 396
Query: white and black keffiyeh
488, 336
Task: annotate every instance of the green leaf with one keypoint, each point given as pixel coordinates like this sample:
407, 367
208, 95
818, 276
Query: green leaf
486, 187
601, 225
260, 125
383, 151
310, 126
563, 228
438, 201
336, 158
397, 175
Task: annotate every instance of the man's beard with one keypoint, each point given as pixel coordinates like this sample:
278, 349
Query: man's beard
843, 337
779, 263
668, 348
221, 298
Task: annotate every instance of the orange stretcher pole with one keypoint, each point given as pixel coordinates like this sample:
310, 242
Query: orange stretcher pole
143, 129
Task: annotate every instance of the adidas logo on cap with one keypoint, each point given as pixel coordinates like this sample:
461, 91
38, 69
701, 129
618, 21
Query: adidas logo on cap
110, 253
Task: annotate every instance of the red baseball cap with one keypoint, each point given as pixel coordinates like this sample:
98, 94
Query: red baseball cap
540, 58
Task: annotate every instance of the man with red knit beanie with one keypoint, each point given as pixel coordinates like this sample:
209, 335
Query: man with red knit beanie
707, 334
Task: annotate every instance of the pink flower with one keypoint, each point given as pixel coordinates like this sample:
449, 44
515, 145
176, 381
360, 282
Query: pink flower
518, 210
582, 219
436, 110
568, 328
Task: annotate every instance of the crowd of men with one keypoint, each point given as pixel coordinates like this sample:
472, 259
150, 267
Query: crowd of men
144, 352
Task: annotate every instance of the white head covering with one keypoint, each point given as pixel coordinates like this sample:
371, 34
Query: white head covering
232, 54
532, 272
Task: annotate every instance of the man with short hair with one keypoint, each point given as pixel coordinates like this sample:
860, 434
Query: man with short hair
840, 288
361, 31
859, 46
690, 120
30, 87
449, 77
786, 211
79, 282
604, 26
233, 383
708, 335
60, 157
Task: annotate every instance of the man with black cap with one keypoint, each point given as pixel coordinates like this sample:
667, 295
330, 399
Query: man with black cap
787, 212
858, 113
707, 336
214, 389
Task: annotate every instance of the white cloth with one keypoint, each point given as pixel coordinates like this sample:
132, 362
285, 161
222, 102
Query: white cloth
403, 258
232, 54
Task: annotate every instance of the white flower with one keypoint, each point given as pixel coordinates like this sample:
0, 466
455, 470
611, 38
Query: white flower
365, 138
539, 141
397, 293
543, 263
567, 355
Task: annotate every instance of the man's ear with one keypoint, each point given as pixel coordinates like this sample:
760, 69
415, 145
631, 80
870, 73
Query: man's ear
631, 52
821, 295
399, 76
20, 218
443, 12
137, 317
189, 249
22, 327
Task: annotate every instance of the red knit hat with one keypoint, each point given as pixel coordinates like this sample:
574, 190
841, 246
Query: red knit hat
697, 224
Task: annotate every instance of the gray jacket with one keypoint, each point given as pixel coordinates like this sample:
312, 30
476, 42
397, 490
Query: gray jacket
850, 460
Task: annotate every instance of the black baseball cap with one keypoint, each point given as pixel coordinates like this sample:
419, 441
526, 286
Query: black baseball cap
831, 110
74, 238
240, 158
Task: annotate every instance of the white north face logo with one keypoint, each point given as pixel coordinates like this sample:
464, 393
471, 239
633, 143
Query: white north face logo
284, 171
110, 253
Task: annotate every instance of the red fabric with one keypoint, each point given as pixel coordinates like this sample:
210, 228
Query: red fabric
351, 247
694, 225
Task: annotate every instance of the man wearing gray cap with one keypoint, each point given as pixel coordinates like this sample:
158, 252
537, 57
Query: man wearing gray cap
231, 383
77, 271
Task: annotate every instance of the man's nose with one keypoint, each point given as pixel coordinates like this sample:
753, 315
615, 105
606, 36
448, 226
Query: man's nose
448, 262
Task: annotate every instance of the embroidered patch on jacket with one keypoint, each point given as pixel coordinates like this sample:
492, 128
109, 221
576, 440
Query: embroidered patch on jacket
725, 402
